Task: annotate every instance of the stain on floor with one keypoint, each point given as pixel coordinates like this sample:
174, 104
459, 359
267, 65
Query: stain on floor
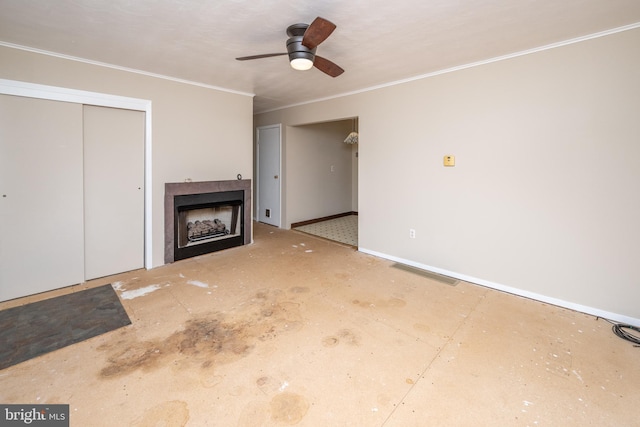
173, 413
208, 339
288, 408
390, 302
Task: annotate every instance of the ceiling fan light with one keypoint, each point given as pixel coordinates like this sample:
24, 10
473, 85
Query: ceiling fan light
301, 64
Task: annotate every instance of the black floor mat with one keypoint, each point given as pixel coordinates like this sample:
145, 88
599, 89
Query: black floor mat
35, 329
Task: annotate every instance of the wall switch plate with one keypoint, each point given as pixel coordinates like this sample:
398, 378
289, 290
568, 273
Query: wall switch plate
267, 213
449, 160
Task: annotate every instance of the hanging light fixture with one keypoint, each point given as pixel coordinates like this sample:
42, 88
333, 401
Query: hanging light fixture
352, 138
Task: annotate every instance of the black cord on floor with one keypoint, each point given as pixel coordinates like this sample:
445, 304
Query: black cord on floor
621, 330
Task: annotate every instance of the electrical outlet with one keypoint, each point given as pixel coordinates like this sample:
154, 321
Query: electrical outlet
412, 233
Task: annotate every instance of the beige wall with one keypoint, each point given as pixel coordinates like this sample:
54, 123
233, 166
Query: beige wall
313, 189
198, 133
543, 200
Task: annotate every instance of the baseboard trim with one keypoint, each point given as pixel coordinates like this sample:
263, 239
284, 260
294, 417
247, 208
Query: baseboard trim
621, 318
324, 218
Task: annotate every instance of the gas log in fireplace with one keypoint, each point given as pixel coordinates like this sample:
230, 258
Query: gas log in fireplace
203, 217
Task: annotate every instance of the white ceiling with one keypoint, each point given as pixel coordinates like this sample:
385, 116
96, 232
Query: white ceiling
376, 41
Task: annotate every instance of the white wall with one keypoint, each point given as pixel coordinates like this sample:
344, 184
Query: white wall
198, 133
313, 189
543, 200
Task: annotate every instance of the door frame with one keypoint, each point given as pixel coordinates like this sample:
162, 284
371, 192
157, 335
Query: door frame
257, 177
55, 93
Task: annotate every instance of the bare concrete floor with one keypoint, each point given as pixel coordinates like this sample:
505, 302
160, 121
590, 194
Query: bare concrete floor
295, 330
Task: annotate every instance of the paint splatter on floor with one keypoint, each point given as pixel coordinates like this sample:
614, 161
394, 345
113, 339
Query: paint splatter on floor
135, 293
197, 283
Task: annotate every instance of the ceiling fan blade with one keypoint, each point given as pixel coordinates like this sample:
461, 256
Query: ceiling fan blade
317, 32
327, 66
264, 55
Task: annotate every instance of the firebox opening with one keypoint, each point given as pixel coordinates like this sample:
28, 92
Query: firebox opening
201, 224
208, 222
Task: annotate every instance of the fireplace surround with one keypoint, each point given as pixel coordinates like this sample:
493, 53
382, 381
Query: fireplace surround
204, 217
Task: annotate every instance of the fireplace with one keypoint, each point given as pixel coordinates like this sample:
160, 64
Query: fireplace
204, 217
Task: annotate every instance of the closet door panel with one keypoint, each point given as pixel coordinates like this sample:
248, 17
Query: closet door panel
114, 190
41, 207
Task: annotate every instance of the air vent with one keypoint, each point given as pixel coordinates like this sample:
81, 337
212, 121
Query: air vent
428, 274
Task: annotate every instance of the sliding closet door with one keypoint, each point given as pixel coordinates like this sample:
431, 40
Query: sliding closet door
113, 190
41, 209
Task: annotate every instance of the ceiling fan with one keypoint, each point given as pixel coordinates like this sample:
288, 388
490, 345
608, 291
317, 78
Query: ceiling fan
301, 47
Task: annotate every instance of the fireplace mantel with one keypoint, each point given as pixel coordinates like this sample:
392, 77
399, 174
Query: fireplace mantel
186, 188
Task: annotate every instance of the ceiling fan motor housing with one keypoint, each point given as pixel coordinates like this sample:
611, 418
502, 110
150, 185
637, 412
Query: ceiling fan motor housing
295, 48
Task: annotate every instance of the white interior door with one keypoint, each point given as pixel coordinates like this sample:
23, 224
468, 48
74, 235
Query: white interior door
113, 190
269, 174
41, 212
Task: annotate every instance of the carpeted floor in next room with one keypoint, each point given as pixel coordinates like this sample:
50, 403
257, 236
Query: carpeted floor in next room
297, 330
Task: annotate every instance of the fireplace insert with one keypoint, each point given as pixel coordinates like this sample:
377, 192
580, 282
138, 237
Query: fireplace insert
205, 216
207, 222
